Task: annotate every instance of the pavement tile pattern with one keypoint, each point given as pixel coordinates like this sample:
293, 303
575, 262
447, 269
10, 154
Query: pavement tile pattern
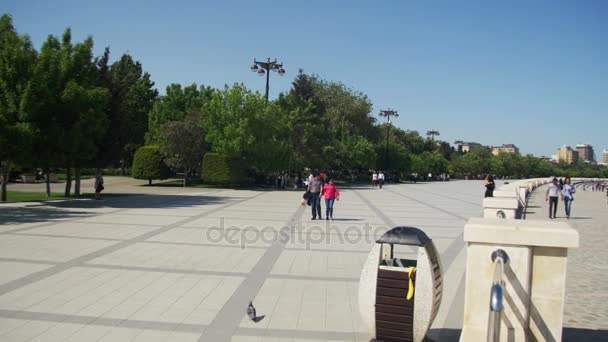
182, 265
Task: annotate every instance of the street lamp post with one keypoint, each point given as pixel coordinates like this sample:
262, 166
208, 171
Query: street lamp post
388, 113
265, 68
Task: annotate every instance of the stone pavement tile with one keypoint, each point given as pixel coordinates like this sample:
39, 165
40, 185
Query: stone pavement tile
133, 219
319, 264
119, 334
229, 237
161, 212
217, 221
55, 287
183, 257
14, 270
586, 281
182, 337
26, 331
269, 214
97, 230
151, 335
9, 324
58, 332
47, 248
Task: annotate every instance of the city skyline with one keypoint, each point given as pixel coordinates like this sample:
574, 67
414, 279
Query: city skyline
462, 69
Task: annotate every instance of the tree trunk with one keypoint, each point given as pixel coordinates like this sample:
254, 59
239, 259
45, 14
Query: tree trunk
4, 182
149, 182
77, 182
185, 178
47, 181
68, 181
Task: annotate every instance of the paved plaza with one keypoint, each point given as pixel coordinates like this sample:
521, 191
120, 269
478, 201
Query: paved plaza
182, 264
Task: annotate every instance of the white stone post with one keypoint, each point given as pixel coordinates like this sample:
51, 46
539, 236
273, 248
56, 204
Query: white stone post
535, 277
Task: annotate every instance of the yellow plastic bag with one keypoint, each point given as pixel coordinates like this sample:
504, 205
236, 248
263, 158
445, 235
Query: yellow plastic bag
410, 287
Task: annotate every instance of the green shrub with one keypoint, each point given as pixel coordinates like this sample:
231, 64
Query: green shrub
219, 169
148, 164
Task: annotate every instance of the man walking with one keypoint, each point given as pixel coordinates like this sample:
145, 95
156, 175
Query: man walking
381, 179
314, 186
553, 192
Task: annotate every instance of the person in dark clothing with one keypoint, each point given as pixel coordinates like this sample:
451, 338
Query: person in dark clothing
314, 186
489, 183
552, 196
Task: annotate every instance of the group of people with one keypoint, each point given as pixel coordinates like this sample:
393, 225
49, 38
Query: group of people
377, 179
317, 188
564, 189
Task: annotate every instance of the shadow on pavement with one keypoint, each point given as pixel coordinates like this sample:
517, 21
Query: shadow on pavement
441, 335
60, 209
584, 335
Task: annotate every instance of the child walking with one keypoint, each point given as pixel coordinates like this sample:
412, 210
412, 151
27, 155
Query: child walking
331, 193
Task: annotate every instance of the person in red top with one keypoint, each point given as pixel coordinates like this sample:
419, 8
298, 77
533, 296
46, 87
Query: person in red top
331, 193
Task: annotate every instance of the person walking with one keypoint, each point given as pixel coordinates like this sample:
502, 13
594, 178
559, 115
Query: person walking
331, 193
98, 185
380, 179
490, 186
552, 196
314, 186
567, 195
374, 179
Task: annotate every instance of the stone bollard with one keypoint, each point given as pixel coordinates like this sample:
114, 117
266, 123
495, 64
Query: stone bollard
535, 277
493, 206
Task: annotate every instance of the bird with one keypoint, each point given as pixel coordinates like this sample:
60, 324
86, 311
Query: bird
251, 312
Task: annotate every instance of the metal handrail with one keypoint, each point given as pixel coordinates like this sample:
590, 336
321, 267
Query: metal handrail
499, 258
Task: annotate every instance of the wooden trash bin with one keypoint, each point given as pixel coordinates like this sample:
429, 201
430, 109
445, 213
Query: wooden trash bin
399, 298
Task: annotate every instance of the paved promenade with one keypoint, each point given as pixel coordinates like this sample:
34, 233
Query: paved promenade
586, 311
182, 264
183, 267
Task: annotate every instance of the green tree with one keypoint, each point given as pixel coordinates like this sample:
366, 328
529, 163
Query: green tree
174, 106
17, 59
41, 107
84, 103
183, 144
132, 95
148, 164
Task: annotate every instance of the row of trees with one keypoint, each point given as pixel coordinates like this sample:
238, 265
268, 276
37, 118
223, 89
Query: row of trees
63, 107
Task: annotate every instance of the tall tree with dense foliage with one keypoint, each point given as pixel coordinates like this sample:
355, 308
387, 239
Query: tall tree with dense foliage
65, 106
183, 144
41, 107
241, 125
174, 106
132, 95
17, 58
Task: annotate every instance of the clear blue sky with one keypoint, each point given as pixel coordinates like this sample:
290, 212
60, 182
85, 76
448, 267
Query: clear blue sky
532, 73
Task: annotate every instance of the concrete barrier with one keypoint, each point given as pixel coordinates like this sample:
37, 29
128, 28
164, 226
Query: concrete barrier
493, 206
535, 277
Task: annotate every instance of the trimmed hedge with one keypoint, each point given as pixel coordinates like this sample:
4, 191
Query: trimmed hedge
221, 170
148, 164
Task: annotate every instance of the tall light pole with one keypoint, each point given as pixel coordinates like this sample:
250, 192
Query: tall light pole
388, 113
265, 68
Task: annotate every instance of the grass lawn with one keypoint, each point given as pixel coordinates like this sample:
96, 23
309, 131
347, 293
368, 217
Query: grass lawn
22, 196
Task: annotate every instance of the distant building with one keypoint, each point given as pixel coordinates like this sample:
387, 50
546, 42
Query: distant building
507, 148
585, 152
605, 157
468, 146
567, 155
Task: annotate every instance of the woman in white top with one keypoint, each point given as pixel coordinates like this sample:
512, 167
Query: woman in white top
568, 195
374, 179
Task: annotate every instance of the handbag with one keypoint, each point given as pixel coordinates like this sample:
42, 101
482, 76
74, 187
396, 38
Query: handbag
306, 195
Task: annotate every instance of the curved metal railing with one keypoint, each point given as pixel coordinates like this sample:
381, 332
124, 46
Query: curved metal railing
499, 258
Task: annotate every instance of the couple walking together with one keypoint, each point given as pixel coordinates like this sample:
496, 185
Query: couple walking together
317, 190
566, 193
